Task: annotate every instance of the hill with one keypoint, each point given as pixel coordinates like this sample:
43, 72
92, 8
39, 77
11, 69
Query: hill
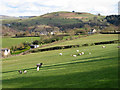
69, 15
6, 31
3, 17
96, 70
58, 19
62, 20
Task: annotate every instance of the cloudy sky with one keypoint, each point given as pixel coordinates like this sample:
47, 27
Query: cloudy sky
39, 7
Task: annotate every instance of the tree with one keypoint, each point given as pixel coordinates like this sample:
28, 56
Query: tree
99, 14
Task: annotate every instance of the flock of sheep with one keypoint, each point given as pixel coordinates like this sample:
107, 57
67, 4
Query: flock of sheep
39, 65
25, 71
79, 53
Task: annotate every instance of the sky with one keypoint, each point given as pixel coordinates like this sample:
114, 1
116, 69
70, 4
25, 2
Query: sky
39, 7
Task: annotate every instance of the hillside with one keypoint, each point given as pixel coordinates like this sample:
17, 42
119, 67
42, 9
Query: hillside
54, 19
69, 15
63, 21
96, 70
4, 17
6, 31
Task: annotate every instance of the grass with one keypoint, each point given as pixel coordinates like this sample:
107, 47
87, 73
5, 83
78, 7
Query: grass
8, 42
85, 40
90, 39
98, 70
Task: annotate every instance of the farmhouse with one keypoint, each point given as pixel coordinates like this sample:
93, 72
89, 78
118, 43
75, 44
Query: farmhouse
5, 52
52, 33
34, 46
92, 31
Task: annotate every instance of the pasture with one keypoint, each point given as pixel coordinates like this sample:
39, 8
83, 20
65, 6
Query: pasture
96, 70
87, 40
8, 42
91, 39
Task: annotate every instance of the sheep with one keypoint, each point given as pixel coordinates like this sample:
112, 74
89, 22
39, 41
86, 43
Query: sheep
20, 72
41, 64
38, 66
74, 55
89, 52
82, 53
25, 71
118, 46
103, 47
60, 54
77, 50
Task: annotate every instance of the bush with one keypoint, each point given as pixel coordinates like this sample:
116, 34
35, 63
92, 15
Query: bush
85, 44
36, 42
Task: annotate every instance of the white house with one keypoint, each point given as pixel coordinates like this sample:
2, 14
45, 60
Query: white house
5, 52
92, 31
52, 33
34, 46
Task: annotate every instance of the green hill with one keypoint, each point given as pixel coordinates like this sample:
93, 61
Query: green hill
58, 19
98, 70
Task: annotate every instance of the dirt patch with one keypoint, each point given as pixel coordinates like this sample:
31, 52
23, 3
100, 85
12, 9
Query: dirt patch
77, 17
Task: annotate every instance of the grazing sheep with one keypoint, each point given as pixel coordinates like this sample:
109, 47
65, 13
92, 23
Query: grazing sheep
25, 71
77, 50
60, 54
74, 55
41, 64
89, 52
82, 53
118, 46
20, 72
38, 65
103, 47
37, 68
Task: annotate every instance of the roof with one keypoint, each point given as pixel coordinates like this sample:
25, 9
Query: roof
33, 45
4, 49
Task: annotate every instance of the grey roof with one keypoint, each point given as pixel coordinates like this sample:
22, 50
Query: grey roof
4, 49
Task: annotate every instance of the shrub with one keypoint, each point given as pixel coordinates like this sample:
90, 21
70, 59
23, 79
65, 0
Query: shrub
36, 42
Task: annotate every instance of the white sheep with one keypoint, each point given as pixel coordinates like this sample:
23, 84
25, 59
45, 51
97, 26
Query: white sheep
20, 71
89, 52
60, 54
74, 55
77, 50
103, 47
25, 71
82, 52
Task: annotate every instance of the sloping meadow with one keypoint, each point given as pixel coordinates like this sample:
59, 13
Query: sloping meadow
96, 70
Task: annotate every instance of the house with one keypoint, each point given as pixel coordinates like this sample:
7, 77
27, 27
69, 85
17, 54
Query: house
5, 52
34, 46
92, 31
52, 33
44, 33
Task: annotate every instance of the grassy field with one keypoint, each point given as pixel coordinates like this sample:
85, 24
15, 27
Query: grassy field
8, 42
86, 40
90, 39
96, 70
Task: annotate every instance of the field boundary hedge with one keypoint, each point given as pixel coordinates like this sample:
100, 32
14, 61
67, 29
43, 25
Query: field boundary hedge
64, 47
73, 46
